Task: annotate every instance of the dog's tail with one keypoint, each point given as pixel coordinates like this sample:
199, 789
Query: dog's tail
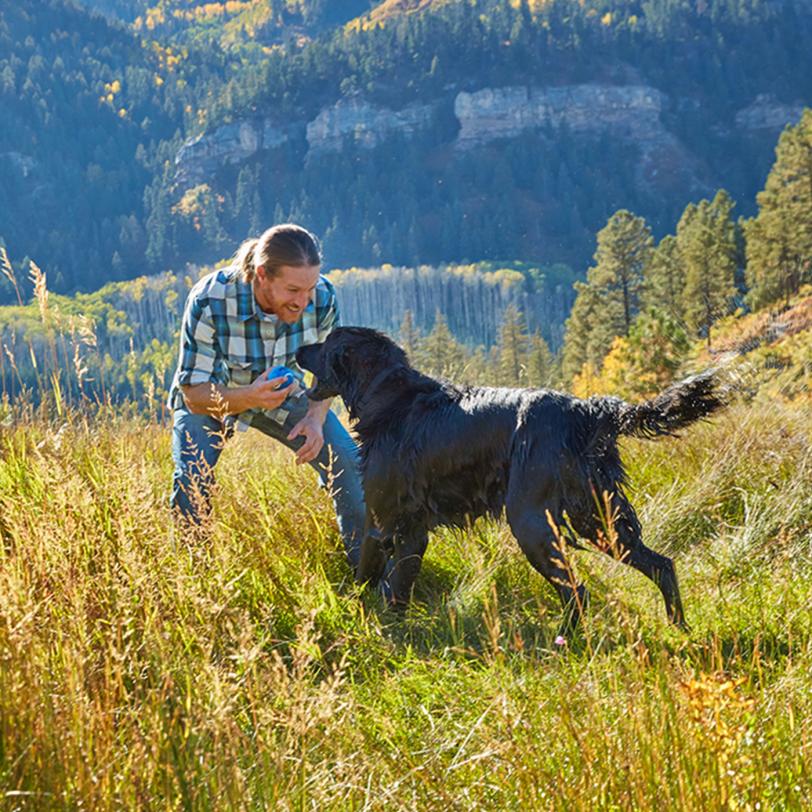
677, 407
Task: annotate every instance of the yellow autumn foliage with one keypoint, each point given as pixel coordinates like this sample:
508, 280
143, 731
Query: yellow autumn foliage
585, 383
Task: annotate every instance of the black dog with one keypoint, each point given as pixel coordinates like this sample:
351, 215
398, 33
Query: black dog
437, 454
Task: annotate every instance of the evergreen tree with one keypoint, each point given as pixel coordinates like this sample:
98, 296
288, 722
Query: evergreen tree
439, 353
706, 240
648, 359
512, 348
779, 238
624, 249
409, 337
159, 239
608, 301
579, 348
541, 372
244, 198
664, 279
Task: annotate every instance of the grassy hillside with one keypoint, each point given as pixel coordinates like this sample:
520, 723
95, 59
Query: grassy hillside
769, 351
143, 670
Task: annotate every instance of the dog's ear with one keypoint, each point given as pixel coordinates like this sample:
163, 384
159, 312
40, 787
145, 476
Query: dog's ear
338, 360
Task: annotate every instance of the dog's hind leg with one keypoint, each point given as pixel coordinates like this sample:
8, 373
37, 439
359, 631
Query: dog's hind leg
661, 570
409, 547
543, 548
631, 550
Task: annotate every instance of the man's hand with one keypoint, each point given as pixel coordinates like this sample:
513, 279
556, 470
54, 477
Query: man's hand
217, 399
312, 429
266, 395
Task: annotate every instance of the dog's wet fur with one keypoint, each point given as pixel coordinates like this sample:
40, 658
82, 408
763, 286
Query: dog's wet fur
433, 453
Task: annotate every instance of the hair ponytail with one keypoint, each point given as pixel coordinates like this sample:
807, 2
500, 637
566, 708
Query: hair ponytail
244, 258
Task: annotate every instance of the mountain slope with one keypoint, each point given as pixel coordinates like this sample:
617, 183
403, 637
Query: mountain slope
492, 131
457, 132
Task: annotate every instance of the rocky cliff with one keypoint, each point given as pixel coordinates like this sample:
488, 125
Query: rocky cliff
201, 157
630, 112
366, 124
767, 113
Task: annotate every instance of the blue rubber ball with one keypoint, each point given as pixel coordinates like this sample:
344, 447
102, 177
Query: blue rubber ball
280, 371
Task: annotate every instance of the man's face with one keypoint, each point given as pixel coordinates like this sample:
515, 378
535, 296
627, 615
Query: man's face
287, 293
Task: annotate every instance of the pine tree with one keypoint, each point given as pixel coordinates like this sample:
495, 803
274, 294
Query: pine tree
541, 370
578, 347
624, 249
159, 240
779, 238
409, 337
706, 240
512, 348
608, 301
656, 347
439, 353
244, 197
664, 279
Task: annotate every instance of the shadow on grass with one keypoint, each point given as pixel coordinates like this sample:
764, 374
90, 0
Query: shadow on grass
442, 617
528, 623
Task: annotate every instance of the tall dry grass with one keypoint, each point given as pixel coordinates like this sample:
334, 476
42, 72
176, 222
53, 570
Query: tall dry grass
144, 669
139, 669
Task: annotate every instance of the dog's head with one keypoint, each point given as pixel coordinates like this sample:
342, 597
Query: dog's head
348, 362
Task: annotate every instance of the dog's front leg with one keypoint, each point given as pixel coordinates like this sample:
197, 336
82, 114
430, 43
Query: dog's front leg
410, 547
373, 558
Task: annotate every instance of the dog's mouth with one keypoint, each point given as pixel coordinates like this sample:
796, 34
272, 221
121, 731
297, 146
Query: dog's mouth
309, 358
320, 391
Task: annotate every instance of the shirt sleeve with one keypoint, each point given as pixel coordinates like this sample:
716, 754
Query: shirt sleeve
197, 345
328, 314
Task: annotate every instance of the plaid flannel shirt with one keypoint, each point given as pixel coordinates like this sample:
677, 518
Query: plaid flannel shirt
226, 338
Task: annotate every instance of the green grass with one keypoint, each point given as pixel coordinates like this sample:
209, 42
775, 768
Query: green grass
142, 670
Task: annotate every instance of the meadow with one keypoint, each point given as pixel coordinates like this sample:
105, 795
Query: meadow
145, 669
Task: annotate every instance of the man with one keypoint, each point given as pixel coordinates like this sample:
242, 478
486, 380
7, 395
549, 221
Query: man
238, 323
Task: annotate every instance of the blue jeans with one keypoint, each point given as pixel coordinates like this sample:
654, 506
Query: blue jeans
198, 440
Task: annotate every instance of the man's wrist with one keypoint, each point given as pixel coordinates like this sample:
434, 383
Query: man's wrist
319, 409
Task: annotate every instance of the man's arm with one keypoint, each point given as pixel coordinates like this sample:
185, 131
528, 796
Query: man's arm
219, 401
311, 426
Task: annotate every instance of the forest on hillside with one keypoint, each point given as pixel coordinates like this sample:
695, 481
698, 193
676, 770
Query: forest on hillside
629, 328
97, 108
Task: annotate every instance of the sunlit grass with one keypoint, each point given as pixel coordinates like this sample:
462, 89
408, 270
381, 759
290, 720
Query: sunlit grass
140, 669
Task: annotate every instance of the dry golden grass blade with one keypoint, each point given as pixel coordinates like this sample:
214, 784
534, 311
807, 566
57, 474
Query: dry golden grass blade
87, 331
8, 271
38, 278
5, 264
79, 365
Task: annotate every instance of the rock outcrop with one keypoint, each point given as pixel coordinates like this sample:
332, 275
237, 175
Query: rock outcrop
355, 119
198, 159
362, 122
765, 112
631, 111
